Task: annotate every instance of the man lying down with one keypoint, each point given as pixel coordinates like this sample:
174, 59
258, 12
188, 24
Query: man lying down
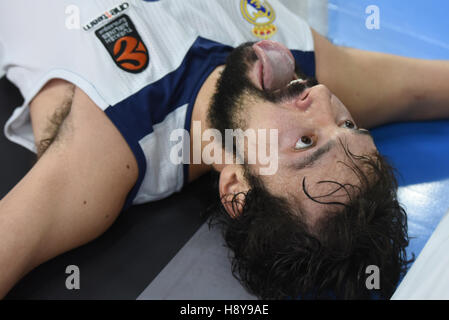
103, 103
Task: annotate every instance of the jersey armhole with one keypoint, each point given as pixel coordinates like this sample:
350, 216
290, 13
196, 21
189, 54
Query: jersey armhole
18, 128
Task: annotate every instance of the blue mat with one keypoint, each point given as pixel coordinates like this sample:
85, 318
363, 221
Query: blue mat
420, 150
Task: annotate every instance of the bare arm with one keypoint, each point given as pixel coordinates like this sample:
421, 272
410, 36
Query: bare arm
71, 196
379, 88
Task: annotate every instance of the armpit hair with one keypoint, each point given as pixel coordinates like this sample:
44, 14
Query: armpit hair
55, 122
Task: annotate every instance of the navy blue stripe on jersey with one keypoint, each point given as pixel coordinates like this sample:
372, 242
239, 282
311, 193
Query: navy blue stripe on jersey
135, 116
306, 61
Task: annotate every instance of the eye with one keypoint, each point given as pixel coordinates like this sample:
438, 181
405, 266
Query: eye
349, 124
304, 142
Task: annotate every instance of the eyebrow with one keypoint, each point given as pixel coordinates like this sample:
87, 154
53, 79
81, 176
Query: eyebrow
320, 152
315, 156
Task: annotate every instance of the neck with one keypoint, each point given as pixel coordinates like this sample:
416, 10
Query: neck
199, 113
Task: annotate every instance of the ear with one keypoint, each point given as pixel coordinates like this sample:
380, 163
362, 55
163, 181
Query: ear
233, 184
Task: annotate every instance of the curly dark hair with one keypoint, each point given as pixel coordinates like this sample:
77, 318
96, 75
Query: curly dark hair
277, 255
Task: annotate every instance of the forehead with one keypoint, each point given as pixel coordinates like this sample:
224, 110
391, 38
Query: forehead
331, 180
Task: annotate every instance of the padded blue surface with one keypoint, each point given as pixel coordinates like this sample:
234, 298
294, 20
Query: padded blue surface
420, 150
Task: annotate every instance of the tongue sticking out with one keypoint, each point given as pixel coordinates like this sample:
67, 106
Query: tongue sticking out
278, 64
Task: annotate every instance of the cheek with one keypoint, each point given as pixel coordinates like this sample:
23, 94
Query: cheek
264, 118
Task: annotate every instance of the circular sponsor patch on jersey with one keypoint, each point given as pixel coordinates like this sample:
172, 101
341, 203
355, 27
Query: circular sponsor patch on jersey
124, 44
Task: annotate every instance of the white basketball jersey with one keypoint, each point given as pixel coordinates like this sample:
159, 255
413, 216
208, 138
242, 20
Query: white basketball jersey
142, 62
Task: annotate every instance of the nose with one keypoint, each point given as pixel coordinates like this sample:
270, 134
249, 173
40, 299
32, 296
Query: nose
303, 102
321, 93
316, 97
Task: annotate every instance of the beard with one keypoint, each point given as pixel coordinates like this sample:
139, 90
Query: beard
228, 108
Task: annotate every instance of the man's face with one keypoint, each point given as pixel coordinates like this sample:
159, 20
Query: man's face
312, 124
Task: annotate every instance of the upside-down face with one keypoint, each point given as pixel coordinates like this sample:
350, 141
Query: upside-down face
260, 89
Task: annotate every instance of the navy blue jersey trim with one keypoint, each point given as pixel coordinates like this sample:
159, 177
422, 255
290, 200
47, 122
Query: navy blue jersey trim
306, 61
207, 65
135, 116
115, 115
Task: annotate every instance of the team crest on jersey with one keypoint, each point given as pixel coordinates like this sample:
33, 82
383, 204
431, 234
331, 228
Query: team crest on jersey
261, 15
124, 44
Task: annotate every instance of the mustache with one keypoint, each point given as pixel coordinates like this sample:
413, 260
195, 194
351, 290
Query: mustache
290, 91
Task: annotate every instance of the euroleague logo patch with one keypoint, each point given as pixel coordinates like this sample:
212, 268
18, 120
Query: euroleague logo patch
124, 44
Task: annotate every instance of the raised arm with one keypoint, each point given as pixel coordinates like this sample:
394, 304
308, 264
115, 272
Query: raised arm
380, 88
71, 196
